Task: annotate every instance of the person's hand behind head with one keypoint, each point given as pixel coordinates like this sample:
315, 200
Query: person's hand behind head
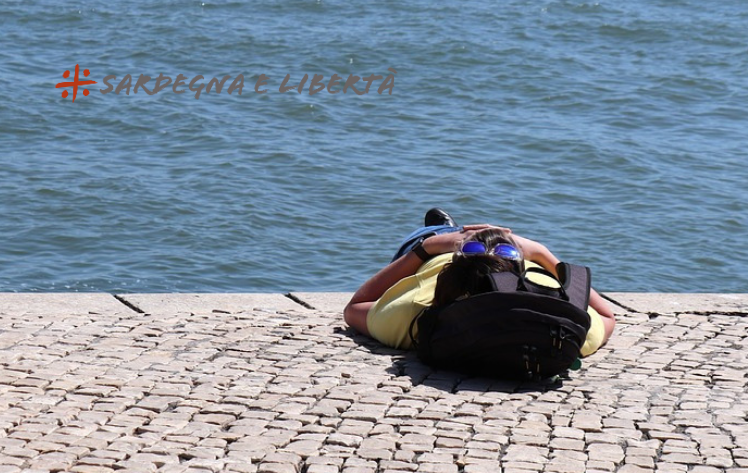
484, 226
449, 242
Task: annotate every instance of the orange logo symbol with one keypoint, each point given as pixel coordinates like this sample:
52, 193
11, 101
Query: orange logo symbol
75, 83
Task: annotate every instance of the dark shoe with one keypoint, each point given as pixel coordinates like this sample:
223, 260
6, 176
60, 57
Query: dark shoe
437, 216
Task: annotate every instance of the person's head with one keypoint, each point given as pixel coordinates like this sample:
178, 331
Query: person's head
468, 273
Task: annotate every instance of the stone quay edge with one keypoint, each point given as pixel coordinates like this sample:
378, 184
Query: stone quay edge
275, 383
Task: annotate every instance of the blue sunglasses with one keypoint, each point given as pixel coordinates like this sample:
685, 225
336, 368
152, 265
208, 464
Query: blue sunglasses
502, 250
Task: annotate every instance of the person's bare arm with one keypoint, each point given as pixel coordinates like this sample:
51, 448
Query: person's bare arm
355, 312
603, 308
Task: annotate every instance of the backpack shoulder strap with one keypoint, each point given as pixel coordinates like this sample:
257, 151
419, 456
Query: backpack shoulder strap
504, 282
558, 291
510, 282
576, 282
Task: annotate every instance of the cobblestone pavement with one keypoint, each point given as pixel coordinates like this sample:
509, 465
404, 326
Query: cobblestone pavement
262, 383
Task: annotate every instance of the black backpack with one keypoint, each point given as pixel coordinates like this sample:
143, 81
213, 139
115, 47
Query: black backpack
519, 330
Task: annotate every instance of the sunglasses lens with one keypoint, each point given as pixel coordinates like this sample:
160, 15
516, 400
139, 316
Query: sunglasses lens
473, 247
507, 252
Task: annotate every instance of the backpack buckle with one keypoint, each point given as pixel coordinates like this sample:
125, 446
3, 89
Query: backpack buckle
558, 335
557, 339
532, 365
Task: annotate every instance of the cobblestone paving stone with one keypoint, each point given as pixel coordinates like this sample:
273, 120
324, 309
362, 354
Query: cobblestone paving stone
292, 390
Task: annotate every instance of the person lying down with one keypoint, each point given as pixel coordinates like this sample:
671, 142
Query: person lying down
441, 263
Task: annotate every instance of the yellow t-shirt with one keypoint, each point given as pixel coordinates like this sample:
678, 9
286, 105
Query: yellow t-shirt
389, 318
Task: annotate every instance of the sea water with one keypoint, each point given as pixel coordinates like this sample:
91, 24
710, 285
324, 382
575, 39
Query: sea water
613, 132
